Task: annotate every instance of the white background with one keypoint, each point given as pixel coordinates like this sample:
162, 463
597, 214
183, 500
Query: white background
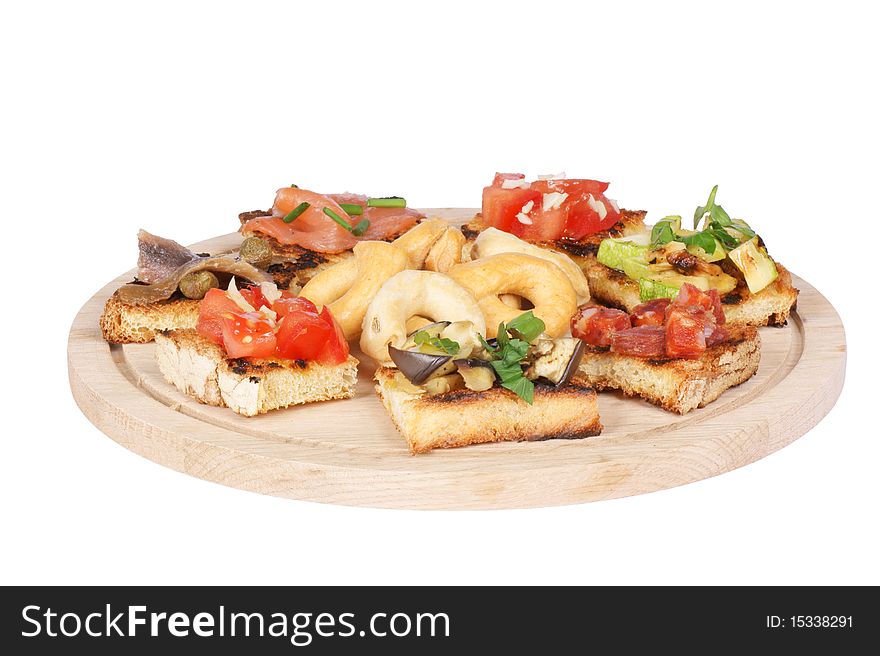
176, 116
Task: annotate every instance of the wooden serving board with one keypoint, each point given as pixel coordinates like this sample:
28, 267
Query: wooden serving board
348, 452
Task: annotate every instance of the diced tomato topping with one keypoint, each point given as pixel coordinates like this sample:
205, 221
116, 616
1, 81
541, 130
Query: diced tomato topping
248, 335
308, 336
651, 313
254, 296
290, 304
501, 177
575, 217
300, 333
595, 325
641, 341
685, 337
212, 310
574, 187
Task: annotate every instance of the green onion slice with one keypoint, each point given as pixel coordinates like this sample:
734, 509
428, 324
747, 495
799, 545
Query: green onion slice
361, 227
391, 201
352, 209
296, 211
293, 186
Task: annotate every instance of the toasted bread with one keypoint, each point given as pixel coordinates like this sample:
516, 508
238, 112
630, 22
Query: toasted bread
678, 385
202, 370
126, 323
769, 307
463, 417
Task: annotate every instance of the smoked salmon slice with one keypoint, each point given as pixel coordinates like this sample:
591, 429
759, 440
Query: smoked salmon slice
316, 231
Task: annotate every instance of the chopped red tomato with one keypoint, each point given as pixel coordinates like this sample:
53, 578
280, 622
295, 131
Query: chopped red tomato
254, 296
595, 324
308, 336
212, 310
501, 177
574, 187
500, 207
641, 341
651, 313
290, 304
685, 336
300, 333
583, 210
248, 335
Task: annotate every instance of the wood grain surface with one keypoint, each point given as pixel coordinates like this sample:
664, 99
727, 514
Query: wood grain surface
348, 452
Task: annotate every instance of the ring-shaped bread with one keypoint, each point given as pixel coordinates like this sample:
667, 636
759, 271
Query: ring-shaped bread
407, 294
543, 283
493, 241
348, 287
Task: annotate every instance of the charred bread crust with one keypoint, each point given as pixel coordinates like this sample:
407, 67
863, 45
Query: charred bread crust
769, 307
677, 385
464, 417
200, 369
126, 323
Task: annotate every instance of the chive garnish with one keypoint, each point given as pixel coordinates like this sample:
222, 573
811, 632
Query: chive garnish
352, 209
361, 227
333, 215
296, 211
391, 201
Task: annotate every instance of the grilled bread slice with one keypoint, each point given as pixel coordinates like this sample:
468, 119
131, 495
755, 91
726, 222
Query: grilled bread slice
463, 417
128, 323
769, 307
678, 385
202, 370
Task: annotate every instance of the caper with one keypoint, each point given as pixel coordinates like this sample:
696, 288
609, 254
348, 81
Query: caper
197, 283
255, 251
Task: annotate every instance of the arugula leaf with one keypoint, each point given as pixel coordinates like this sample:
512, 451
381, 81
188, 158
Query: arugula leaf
448, 346
701, 211
526, 326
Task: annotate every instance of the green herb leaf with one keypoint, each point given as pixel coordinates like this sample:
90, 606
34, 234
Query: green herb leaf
293, 186
704, 240
448, 346
502, 337
352, 209
720, 217
487, 345
661, 234
701, 211
523, 388
390, 201
526, 326
296, 211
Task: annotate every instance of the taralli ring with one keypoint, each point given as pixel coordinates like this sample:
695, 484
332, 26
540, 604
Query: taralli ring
540, 282
410, 294
348, 287
493, 241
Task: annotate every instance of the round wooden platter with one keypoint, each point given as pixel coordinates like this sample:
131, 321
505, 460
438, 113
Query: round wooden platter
348, 452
